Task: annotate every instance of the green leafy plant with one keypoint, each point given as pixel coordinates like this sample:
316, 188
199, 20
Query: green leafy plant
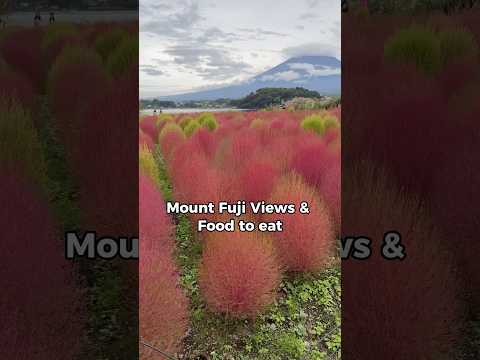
191, 127
124, 56
20, 147
416, 44
208, 121
457, 44
106, 43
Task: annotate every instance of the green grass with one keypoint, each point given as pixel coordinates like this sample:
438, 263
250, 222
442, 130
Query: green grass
303, 322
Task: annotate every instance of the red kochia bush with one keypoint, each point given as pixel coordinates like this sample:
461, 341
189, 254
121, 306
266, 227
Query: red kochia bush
76, 80
103, 159
154, 224
17, 87
206, 141
239, 273
148, 124
41, 305
144, 139
320, 167
307, 240
163, 307
257, 180
22, 50
396, 309
236, 151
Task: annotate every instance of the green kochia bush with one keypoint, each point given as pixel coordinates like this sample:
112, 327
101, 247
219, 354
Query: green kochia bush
106, 43
319, 123
313, 123
191, 127
457, 44
20, 147
168, 128
58, 31
185, 121
169, 138
163, 119
124, 56
430, 50
416, 44
208, 121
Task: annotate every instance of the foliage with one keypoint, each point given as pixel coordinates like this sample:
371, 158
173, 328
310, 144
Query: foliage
20, 148
457, 44
257, 180
191, 127
265, 97
369, 191
239, 274
42, 303
416, 44
163, 308
124, 56
319, 123
307, 239
320, 167
106, 43
70, 89
185, 121
208, 121
147, 164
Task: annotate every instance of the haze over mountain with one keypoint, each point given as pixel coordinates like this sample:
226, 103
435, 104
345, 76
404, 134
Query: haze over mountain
319, 73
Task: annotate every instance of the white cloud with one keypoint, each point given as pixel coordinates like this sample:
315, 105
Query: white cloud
284, 75
313, 70
314, 49
190, 44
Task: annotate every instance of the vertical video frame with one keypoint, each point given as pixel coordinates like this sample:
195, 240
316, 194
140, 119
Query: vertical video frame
239, 179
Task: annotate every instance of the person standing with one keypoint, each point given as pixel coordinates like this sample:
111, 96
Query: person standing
37, 19
51, 20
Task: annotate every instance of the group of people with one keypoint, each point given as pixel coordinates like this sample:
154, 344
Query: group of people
37, 19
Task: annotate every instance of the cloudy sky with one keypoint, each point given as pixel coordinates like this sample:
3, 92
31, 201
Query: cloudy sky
196, 44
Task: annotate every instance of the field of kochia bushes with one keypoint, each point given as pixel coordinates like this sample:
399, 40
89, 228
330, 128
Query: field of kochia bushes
277, 157
410, 163
67, 96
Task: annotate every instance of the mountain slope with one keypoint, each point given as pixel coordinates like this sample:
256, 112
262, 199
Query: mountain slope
319, 73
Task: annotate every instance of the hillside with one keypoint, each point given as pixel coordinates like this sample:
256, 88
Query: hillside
263, 98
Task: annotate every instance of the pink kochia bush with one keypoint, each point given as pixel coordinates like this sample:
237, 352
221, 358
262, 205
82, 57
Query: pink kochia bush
102, 160
320, 166
148, 124
17, 87
22, 51
257, 181
239, 273
75, 81
155, 226
41, 303
145, 140
307, 239
163, 305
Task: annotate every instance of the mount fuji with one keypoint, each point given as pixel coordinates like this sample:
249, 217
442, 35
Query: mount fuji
319, 73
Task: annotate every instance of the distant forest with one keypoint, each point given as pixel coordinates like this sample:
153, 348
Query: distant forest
260, 99
266, 97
